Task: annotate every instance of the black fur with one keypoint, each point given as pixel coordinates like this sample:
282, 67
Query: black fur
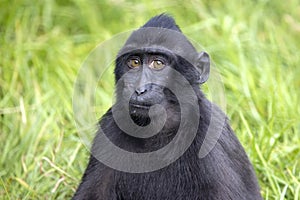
162, 21
224, 174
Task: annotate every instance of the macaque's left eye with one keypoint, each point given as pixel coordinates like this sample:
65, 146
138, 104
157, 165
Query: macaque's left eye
157, 64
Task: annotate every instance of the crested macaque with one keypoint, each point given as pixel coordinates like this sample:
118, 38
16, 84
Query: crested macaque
159, 104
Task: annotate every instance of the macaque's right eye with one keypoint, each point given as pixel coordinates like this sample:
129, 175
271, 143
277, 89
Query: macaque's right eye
134, 63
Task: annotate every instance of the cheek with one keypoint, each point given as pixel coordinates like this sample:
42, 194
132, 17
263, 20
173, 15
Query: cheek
170, 96
124, 92
125, 86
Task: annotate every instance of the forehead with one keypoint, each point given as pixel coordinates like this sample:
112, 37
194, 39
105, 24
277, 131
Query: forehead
158, 51
159, 40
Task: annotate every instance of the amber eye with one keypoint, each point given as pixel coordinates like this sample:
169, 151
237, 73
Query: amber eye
134, 63
157, 64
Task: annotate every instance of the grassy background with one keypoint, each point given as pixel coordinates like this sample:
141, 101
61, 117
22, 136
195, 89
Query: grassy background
254, 44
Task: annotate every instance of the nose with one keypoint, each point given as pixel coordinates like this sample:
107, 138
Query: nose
142, 90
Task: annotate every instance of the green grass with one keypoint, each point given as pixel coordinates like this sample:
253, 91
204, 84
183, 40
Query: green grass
254, 45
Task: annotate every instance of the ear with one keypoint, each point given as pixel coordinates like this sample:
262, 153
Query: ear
203, 66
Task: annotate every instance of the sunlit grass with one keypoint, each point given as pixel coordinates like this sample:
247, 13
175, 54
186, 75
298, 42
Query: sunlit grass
254, 45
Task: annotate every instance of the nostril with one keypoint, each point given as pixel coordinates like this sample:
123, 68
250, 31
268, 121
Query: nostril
141, 90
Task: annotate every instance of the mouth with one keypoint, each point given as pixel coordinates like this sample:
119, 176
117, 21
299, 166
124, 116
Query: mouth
139, 109
140, 106
139, 113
